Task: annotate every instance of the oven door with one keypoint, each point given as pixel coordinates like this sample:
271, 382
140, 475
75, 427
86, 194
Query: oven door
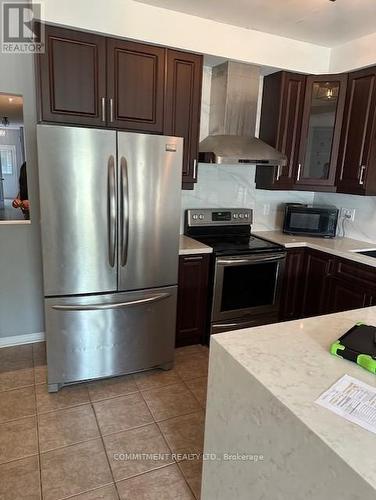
247, 285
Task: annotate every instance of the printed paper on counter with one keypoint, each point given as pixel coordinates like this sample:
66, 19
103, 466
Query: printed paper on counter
353, 400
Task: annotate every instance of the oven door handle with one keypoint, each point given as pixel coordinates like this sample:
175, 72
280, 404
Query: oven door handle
250, 260
224, 325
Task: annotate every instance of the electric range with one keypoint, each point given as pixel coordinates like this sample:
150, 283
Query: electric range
247, 270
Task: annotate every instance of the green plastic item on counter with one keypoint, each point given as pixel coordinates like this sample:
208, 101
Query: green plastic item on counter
358, 345
367, 362
335, 347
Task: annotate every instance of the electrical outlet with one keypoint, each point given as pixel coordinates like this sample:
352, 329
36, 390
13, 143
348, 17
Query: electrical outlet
347, 213
266, 208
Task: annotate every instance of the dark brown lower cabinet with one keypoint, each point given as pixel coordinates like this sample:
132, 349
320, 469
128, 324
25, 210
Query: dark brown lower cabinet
317, 267
192, 299
319, 283
293, 285
344, 295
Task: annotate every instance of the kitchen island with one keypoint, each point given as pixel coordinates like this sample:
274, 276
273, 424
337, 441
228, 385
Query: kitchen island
261, 410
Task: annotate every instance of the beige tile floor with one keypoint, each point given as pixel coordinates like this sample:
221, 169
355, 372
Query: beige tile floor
72, 445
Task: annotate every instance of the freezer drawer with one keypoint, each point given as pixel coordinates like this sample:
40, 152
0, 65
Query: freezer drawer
106, 335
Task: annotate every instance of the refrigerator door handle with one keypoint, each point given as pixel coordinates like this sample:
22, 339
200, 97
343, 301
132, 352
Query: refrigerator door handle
124, 212
101, 307
111, 210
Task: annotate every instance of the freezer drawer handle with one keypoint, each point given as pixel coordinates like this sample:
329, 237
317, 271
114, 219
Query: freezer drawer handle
119, 305
111, 211
124, 211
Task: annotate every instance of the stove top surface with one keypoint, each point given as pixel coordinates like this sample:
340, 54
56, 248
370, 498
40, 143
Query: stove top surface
238, 244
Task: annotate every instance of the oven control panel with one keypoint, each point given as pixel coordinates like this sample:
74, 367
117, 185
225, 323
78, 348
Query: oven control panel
219, 216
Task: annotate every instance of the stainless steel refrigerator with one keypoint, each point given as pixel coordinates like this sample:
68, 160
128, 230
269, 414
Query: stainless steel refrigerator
110, 215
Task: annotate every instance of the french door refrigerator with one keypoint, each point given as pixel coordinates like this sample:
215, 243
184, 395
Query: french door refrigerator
110, 216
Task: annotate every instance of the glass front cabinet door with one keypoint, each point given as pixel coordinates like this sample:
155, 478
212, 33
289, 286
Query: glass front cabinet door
321, 129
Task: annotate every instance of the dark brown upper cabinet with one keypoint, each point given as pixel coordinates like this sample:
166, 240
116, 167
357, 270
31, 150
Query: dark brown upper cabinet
182, 107
72, 76
86, 79
280, 126
357, 159
321, 130
135, 86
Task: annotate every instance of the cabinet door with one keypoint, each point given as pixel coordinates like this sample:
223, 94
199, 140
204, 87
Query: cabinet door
358, 134
192, 299
344, 295
72, 77
293, 285
182, 107
318, 265
280, 126
321, 130
135, 85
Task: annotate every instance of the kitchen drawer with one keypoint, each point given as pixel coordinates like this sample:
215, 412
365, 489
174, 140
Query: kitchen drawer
349, 270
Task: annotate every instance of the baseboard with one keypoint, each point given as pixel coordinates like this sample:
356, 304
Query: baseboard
29, 338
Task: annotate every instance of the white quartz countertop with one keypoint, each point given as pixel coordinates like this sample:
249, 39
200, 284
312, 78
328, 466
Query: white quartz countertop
292, 361
342, 247
189, 246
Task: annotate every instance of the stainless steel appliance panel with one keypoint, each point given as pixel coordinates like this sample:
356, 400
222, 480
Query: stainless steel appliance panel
77, 178
254, 289
112, 334
149, 168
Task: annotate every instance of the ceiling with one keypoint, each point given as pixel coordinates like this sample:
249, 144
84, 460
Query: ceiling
11, 106
321, 22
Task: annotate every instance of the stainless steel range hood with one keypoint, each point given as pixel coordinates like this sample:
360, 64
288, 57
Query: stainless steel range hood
232, 120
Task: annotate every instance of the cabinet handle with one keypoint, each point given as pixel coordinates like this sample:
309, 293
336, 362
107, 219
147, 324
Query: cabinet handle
361, 176
299, 171
193, 258
111, 109
194, 169
278, 173
103, 109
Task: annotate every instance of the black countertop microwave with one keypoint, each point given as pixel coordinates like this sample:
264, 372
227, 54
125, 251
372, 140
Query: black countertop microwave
310, 220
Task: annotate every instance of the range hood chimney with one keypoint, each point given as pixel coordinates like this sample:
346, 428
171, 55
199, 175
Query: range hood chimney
232, 120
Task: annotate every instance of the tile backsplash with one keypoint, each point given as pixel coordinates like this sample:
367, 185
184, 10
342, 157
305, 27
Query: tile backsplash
364, 225
229, 186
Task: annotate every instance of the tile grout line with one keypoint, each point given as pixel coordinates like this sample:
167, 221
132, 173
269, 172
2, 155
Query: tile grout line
19, 458
86, 491
194, 395
104, 448
159, 467
19, 386
37, 424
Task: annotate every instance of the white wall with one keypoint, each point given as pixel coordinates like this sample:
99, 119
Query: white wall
130, 19
353, 55
21, 296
